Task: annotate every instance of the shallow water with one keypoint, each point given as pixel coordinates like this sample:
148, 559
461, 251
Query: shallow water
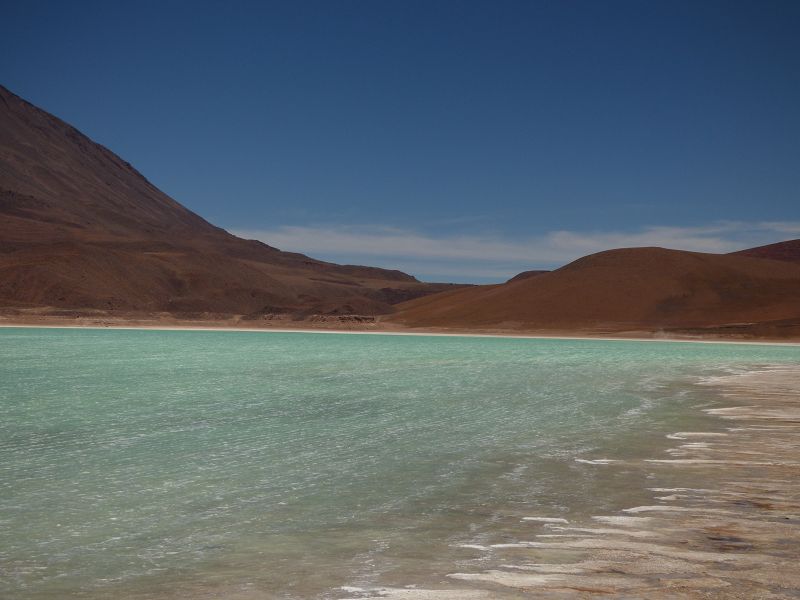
149, 464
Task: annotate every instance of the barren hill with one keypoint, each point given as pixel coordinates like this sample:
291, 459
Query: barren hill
80, 228
788, 250
526, 275
626, 290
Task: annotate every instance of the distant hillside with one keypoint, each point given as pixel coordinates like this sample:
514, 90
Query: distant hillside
789, 251
628, 289
526, 275
80, 228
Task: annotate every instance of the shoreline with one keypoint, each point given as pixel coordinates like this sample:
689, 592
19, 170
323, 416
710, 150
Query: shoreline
724, 521
379, 328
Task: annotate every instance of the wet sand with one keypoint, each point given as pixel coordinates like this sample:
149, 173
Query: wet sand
724, 521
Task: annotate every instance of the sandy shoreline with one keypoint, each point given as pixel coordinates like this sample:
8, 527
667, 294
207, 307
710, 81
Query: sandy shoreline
724, 521
380, 328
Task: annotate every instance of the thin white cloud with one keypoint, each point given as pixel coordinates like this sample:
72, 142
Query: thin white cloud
493, 256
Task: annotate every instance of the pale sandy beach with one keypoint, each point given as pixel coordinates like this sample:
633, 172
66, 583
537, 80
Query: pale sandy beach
376, 327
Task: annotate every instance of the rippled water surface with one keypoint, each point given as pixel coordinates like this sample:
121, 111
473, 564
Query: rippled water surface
150, 464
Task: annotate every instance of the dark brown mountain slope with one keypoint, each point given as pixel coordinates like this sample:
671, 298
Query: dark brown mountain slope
788, 250
628, 289
81, 228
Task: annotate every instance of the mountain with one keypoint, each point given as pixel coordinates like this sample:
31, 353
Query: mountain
627, 290
788, 251
81, 229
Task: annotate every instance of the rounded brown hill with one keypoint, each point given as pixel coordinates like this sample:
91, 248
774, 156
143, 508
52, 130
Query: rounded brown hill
624, 290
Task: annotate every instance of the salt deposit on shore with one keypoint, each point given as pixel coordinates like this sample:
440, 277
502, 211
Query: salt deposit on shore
731, 529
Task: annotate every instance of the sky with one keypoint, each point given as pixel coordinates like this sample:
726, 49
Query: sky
457, 141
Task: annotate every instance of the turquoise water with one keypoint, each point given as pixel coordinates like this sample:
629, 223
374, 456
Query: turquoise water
151, 464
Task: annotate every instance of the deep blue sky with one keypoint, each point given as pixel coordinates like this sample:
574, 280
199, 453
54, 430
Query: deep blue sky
457, 140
